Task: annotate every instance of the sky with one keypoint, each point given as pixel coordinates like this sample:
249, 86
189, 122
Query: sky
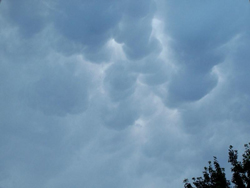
121, 93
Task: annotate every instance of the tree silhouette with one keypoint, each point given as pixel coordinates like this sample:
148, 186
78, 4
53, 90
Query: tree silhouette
214, 176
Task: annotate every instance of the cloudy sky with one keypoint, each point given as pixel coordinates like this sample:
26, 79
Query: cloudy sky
120, 93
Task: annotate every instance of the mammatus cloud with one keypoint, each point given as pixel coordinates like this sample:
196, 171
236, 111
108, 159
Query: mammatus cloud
198, 31
120, 93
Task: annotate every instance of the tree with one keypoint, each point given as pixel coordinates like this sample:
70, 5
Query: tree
240, 170
214, 176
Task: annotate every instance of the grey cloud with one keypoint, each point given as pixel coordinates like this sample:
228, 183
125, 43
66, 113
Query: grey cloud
135, 30
157, 78
29, 139
239, 58
146, 120
92, 24
153, 70
196, 44
190, 87
59, 91
119, 116
30, 16
102, 160
224, 111
88, 23
119, 82
187, 28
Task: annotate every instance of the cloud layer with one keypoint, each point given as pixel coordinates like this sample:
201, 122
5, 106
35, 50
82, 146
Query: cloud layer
120, 93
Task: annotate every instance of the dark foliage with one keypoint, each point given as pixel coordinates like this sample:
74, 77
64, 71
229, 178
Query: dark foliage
214, 176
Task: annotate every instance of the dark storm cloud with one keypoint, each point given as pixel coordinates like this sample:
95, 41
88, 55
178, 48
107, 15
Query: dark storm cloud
93, 24
189, 87
30, 16
28, 138
197, 30
152, 70
241, 68
173, 90
119, 82
119, 116
59, 91
89, 23
135, 30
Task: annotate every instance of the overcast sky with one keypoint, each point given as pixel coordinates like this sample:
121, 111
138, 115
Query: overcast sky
121, 93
